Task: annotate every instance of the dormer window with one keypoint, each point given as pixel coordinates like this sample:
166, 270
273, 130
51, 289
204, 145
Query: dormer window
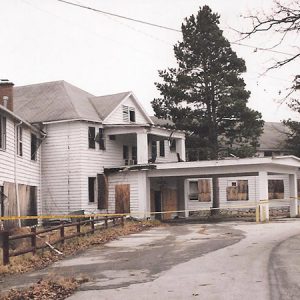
128, 114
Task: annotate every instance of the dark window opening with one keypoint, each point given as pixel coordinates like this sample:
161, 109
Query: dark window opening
132, 115
126, 154
91, 187
92, 133
276, 189
173, 145
101, 139
20, 141
134, 155
2, 132
112, 137
268, 153
162, 148
153, 150
33, 147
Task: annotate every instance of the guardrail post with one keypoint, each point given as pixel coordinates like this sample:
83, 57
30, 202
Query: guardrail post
62, 232
122, 221
5, 245
33, 240
106, 223
93, 224
114, 220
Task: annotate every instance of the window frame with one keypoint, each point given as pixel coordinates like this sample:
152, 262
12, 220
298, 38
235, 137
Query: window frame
92, 189
3, 125
20, 141
162, 148
129, 114
91, 137
33, 147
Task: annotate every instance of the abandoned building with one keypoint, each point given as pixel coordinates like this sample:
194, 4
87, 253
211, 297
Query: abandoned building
63, 149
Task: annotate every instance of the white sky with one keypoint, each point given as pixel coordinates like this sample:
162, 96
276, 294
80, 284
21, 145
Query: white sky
45, 40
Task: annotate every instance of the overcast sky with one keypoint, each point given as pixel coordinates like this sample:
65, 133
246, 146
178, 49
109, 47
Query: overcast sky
46, 40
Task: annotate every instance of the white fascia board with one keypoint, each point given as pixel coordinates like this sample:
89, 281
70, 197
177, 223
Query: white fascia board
71, 120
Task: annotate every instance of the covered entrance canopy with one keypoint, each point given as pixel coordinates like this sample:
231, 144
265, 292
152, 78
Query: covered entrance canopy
188, 186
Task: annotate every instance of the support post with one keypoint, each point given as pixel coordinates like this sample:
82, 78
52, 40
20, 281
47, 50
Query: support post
293, 195
216, 196
62, 233
263, 196
180, 148
142, 147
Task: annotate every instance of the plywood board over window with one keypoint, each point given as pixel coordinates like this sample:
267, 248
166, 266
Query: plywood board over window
276, 189
169, 202
237, 191
102, 191
200, 190
122, 198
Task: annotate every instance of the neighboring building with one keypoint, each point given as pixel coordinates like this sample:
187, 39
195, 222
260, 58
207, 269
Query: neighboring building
272, 142
19, 160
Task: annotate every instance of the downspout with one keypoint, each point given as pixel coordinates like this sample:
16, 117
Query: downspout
15, 174
40, 177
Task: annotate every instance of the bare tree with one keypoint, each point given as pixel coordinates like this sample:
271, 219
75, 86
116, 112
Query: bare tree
284, 20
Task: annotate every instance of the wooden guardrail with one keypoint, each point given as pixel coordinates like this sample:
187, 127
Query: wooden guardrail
6, 237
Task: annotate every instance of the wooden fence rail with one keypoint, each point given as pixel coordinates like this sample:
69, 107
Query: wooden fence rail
6, 237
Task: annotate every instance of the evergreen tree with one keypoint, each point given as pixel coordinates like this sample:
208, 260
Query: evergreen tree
206, 94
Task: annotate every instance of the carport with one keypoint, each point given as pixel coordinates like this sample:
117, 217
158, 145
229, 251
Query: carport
183, 187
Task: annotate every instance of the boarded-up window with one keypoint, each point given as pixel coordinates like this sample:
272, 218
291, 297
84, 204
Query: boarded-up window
276, 189
122, 198
91, 133
200, 190
102, 191
237, 191
91, 188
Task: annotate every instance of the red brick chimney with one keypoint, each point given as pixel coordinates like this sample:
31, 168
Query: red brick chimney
6, 94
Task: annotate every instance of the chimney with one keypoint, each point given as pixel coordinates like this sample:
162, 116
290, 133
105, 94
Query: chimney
6, 94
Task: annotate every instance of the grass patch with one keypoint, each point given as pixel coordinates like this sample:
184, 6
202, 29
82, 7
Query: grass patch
43, 258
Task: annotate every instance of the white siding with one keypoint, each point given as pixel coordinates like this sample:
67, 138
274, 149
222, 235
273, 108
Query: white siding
253, 193
138, 197
170, 156
117, 116
19, 168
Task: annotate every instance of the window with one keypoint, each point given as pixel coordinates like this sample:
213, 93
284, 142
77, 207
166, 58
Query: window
267, 153
20, 141
200, 190
92, 132
101, 139
134, 155
173, 145
33, 147
276, 189
162, 148
112, 137
2, 133
102, 191
153, 150
128, 114
126, 154
92, 187
237, 190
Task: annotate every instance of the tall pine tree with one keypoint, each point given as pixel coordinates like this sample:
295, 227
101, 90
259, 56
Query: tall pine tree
206, 94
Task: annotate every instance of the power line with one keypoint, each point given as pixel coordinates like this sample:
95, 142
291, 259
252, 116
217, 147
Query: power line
119, 16
163, 27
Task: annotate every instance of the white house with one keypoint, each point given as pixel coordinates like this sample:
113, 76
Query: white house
106, 155
19, 160
86, 134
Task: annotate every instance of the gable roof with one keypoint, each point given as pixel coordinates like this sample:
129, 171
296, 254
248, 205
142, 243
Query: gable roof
273, 137
105, 105
53, 101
